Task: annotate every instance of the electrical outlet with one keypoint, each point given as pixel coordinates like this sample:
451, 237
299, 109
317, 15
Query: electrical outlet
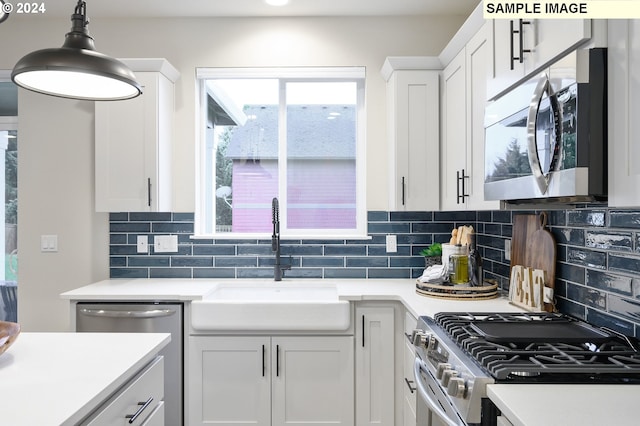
165, 244
392, 244
142, 244
507, 249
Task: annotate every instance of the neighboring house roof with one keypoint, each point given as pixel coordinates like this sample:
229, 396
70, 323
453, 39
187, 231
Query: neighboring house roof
312, 133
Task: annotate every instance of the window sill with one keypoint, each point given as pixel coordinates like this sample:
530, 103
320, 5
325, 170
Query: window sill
282, 237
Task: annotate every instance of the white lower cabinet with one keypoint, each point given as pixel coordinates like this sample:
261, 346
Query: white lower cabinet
139, 402
375, 355
271, 380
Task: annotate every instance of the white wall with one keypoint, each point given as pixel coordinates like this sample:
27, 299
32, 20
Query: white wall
56, 136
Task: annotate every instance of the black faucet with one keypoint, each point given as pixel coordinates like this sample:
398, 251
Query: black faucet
278, 268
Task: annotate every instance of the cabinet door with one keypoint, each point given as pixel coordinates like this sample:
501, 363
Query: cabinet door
132, 149
312, 380
508, 71
375, 361
413, 126
624, 108
557, 37
229, 380
454, 129
478, 67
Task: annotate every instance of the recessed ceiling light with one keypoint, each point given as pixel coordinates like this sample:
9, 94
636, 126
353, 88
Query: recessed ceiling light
276, 2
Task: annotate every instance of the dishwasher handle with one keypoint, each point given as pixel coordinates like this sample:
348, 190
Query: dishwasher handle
111, 313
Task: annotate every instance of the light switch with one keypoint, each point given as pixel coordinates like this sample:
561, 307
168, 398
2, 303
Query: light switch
48, 243
165, 244
392, 244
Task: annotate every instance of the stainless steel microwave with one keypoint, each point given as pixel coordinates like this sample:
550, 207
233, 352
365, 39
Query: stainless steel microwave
546, 139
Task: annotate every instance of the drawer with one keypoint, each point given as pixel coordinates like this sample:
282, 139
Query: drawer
157, 417
142, 395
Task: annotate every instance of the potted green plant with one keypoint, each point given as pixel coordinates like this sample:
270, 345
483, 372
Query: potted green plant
432, 255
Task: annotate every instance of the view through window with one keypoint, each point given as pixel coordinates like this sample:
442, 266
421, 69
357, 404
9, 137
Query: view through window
297, 138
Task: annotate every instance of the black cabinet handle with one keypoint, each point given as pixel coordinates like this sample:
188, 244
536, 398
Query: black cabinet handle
149, 192
460, 186
521, 49
277, 360
263, 366
403, 191
363, 331
143, 405
409, 383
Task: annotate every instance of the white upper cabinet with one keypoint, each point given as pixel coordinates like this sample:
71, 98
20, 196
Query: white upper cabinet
133, 143
522, 47
463, 103
624, 108
413, 134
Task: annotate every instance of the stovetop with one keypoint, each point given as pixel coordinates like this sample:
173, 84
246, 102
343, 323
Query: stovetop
543, 347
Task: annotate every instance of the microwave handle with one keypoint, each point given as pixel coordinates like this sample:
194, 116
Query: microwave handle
424, 395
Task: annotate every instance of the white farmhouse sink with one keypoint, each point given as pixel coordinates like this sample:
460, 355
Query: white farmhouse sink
288, 305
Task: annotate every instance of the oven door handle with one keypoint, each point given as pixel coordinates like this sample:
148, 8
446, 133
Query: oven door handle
418, 367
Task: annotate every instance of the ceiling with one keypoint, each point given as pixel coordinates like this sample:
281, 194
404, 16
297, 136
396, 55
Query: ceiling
245, 8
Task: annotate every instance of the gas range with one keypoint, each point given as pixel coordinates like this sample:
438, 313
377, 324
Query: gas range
459, 353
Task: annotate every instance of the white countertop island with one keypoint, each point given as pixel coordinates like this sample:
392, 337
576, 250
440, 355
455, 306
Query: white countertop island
51, 379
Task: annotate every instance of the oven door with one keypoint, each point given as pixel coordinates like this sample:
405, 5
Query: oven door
433, 406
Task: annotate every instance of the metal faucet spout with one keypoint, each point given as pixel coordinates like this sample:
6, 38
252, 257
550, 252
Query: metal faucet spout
278, 268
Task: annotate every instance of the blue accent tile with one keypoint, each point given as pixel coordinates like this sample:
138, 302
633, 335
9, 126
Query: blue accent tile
236, 261
345, 250
170, 273
617, 241
501, 216
592, 259
627, 308
389, 273
300, 250
587, 296
622, 263
367, 262
149, 217
182, 250
118, 217
433, 228
602, 319
148, 261
323, 261
389, 228
214, 273
345, 273
303, 273
571, 236
129, 272
117, 261
410, 216
172, 227
183, 217
233, 242
624, 219
122, 250
406, 262
254, 250
254, 273
213, 250
382, 251
191, 261
571, 273
375, 216
609, 282
118, 238
586, 218
137, 227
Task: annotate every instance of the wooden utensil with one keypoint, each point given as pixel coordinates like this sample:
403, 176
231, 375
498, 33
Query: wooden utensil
540, 253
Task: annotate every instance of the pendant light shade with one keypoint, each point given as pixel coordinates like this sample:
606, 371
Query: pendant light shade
76, 70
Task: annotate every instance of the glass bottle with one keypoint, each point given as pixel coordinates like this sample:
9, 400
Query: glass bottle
475, 263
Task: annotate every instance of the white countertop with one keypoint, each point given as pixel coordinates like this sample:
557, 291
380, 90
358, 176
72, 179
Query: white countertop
524, 405
59, 378
402, 290
567, 405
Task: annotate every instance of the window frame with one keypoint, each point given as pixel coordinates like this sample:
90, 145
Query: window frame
284, 75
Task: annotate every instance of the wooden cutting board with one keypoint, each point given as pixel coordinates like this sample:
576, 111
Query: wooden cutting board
533, 246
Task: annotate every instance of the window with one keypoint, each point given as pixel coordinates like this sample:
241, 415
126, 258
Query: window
292, 133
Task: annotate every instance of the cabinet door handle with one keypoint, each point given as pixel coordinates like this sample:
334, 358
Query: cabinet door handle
511, 33
263, 366
277, 360
521, 49
409, 383
363, 331
149, 192
143, 405
522, 23
403, 191
457, 186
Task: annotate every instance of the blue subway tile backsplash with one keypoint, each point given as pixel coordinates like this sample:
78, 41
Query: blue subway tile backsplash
597, 270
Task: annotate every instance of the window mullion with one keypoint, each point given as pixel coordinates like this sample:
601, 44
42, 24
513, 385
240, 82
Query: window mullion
282, 154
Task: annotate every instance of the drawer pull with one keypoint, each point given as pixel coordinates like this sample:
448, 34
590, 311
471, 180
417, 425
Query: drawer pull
143, 405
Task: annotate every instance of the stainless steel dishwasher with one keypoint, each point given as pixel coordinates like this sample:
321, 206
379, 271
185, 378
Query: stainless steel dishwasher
144, 318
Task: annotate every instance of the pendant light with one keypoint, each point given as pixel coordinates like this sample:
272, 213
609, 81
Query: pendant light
76, 70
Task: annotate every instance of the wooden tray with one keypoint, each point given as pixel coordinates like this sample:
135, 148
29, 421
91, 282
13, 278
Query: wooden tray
8, 334
458, 291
